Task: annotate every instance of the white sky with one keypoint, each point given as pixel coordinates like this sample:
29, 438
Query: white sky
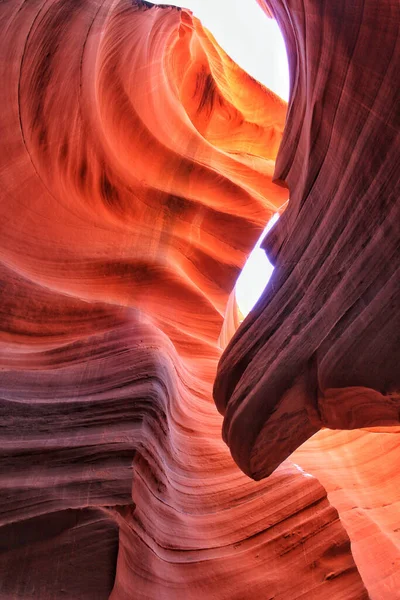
251, 39
255, 274
254, 42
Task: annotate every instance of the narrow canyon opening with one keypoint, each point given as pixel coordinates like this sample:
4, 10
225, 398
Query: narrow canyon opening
255, 274
152, 446
254, 41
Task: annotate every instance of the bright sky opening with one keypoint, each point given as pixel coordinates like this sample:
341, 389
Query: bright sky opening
253, 41
255, 274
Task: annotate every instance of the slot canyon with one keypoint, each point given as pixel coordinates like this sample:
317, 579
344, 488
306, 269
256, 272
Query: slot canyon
157, 444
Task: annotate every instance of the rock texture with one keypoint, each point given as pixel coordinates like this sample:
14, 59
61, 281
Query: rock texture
136, 174
321, 348
360, 471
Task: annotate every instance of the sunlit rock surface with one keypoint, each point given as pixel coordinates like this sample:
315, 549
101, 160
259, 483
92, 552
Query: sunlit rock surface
360, 471
136, 175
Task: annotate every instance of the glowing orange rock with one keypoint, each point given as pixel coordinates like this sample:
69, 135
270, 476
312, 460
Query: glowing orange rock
359, 470
136, 173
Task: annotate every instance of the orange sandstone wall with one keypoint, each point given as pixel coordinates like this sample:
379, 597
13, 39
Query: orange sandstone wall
136, 174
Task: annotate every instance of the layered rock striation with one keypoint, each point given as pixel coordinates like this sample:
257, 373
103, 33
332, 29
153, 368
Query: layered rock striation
136, 174
321, 348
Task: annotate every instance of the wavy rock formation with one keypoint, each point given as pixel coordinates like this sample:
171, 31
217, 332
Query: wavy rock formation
136, 174
321, 348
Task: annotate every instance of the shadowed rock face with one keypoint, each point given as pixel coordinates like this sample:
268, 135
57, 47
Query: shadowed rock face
321, 348
136, 174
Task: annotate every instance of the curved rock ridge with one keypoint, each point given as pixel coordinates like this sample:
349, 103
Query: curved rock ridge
136, 174
119, 422
85, 139
321, 347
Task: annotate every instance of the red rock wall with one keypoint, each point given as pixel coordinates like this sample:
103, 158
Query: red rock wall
321, 348
136, 173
